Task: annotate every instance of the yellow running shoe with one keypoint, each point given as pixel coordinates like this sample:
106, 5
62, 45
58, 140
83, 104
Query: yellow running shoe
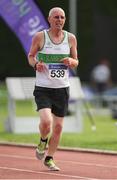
40, 150
51, 165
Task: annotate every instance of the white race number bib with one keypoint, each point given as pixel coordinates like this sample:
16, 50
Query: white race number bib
57, 71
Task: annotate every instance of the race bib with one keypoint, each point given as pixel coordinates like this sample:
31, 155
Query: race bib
57, 71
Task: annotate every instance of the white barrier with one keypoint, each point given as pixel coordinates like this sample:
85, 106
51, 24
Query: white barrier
22, 88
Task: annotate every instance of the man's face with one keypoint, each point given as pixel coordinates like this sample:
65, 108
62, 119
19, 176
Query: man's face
57, 19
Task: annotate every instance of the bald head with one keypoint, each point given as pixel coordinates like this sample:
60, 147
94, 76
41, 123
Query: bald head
56, 9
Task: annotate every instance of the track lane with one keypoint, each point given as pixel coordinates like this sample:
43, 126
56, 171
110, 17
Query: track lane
74, 165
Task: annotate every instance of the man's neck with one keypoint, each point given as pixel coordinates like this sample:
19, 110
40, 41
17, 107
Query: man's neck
56, 35
56, 32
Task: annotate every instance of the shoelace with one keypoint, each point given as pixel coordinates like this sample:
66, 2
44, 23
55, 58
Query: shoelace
51, 162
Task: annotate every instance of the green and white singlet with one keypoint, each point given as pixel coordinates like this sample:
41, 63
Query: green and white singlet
56, 74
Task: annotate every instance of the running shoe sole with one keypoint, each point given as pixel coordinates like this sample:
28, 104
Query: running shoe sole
52, 168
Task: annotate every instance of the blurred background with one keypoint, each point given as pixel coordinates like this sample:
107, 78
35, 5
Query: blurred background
94, 22
96, 31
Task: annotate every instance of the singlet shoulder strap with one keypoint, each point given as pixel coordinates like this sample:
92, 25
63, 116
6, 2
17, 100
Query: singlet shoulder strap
47, 39
65, 35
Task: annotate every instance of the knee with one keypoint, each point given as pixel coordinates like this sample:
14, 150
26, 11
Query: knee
45, 126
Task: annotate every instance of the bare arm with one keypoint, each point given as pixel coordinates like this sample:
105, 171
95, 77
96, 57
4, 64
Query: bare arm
72, 61
33, 50
37, 43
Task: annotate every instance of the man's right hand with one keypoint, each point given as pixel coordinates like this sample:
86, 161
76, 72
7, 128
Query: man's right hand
40, 66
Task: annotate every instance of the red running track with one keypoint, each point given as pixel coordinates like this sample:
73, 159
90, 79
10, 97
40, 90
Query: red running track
19, 162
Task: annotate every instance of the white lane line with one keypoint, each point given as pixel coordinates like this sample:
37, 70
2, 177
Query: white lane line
47, 173
62, 161
90, 164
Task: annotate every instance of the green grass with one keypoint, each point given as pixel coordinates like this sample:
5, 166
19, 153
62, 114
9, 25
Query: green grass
25, 108
105, 137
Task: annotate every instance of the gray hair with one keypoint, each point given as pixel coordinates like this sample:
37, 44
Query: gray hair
55, 9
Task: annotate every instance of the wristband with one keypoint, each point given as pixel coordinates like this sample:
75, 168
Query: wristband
35, 68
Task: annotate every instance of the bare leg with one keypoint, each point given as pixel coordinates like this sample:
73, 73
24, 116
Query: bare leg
45, 128
45, 122
56, 134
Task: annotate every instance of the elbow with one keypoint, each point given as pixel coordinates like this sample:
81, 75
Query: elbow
30, 59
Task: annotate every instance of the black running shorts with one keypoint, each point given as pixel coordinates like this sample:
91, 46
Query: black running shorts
54, 98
